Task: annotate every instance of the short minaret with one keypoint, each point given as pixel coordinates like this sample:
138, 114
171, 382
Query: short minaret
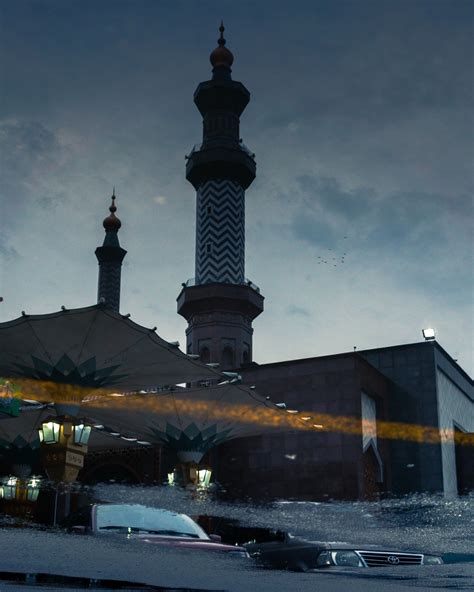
110, 256
219, 303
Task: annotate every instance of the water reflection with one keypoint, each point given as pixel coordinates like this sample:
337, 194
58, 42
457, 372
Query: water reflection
427, 521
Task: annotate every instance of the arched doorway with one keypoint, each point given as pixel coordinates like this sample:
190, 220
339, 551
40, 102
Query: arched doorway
372, 468
205, 355
228, 358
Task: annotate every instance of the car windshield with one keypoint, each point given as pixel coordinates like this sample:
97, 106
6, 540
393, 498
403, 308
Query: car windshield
136, 518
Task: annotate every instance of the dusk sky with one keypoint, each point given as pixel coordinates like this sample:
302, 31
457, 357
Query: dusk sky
359, 223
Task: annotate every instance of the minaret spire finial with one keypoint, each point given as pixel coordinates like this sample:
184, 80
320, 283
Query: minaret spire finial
112, 223
222, 58
113, 207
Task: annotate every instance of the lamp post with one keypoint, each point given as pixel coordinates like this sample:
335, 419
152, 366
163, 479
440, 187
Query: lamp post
63, 447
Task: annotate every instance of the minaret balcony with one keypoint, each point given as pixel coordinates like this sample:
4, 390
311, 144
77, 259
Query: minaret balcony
247, 282
242, 298
229, 95
220, 160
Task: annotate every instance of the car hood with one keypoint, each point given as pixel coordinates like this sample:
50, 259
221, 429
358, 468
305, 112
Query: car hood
189, 543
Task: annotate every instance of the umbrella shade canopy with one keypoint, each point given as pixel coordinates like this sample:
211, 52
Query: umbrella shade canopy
19, 434
92, 348
191, 419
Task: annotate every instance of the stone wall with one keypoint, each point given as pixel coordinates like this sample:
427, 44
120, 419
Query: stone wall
300, 464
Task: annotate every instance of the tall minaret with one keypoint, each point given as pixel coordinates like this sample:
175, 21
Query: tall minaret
110, 256
220, 304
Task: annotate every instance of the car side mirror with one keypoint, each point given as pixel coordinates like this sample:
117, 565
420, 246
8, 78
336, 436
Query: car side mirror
78, 529
216, 538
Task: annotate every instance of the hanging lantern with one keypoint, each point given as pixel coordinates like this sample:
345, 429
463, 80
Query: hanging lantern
81, 434
8, 489
33, 488
49, 432
204, 477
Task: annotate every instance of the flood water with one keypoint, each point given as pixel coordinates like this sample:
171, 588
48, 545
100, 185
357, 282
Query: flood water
429, 524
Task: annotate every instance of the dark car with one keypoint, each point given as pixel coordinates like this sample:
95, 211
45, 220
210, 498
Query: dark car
282, 550
149, 525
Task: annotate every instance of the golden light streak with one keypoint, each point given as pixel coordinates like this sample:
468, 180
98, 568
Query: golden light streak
194, 406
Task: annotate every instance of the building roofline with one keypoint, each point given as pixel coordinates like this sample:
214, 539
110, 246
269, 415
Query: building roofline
432, 343
363, 351
297, 360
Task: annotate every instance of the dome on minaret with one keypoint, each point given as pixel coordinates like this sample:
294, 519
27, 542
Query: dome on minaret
221, 57
112, 223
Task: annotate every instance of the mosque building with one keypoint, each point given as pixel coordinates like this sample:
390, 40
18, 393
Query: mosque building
380, 395
394, 419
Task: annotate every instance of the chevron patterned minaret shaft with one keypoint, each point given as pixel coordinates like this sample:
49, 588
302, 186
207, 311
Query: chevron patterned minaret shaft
220, 232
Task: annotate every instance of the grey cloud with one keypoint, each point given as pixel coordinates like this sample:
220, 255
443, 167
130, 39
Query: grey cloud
395, 219
32, 159
376, 76
27, 144
417, 220
420, 237
298, 311
51, 201
329, 195
313, 230
7, 252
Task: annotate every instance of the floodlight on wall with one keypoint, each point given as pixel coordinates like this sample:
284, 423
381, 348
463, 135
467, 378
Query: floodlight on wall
428, 334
